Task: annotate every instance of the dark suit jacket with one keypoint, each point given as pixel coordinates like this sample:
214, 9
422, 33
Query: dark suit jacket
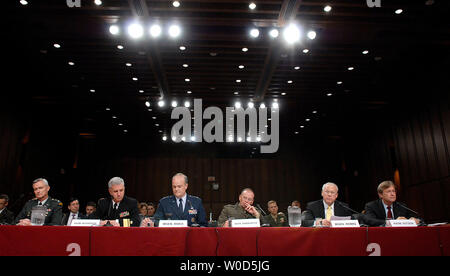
315, 210
128, 209
6, 217
376, 215
65, 218
194, 212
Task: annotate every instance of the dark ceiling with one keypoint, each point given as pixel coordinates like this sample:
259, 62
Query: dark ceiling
99, 85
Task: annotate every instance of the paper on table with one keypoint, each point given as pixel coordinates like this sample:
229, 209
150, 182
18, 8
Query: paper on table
340, 218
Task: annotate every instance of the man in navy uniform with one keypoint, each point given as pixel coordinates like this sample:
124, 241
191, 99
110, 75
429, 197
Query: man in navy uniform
181, 206
53, 206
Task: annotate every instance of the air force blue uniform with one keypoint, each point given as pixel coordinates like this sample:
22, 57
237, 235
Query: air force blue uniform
193, 211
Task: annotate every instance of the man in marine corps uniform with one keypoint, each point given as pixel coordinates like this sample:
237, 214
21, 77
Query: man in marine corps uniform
241, 210
275, 219
53, 206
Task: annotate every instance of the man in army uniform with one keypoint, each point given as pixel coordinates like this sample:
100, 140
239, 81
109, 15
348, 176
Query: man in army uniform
241, 210
275, 219
54, 206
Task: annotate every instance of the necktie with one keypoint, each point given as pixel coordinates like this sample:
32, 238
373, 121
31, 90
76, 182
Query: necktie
115, 207
70, 220
180, 205
328, 214
389, 213
40, 203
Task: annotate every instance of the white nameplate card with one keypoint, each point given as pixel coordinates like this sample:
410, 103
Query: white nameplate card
85, 222
245, 223
401, 223
344, 223
173, 223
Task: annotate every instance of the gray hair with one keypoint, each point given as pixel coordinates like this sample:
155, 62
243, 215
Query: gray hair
115, 181
182, 175
247, 190
39, 180
329, 184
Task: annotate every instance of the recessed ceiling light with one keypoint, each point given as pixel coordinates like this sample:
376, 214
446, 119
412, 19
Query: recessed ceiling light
164, 138
275, 105
161, 103
251, 105
241, 66
274, 33
187, 104
365, 52
71, 63
185, 65
174, 103
92, 90
307, 120
155, 30
108, 109
238, 81
114, 29
254, 33
252, 6
126, 131
351, 68
283, 94
176, 4
399, 11
189, 92
314, 112
244, 49
23, 2
147, 104
182, 48
57, 46
128, 64
120, 124
289, 81
327, 8
330, 94
312, 35
135, 30
141, 91
187, 80
292, 34
339, 82
302, 126
174, 31
305, 51
236, 93
120, 47
135, 79
98, 2
238, 105
297, 67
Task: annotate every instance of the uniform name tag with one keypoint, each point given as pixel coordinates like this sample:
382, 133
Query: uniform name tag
85, 222
401, 223
245, 223
173, 223
344, 223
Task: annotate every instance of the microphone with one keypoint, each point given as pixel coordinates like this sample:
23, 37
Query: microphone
348, 208
360, 216
262, 211
398, 203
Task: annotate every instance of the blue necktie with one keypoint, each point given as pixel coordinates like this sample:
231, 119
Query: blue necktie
180, 206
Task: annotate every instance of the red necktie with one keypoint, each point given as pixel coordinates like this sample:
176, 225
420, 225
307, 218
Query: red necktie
389, 214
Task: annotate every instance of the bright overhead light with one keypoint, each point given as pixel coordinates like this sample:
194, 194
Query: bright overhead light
187, 104
147, 104
114, 29
241, 66
174, 31
339, 82
135, 30
155, 30
23, 2
98, 2
185, 65
182, 48
274, 33
176, 4
92, 90
330, 94
283, 94
275, 105
141, 91
327, 8
244, 49
262, 105
289, 81
252, 6
164, 138
57, 46
238, 105
189, 92
297, 67
365, 52
236, 93
399, 11
174, 103
292, 34
305, 51
351, 68
312, 35
135, 79
251, 105
161, 103
254, 33
187, 80
128, 64
238, 81
120, 47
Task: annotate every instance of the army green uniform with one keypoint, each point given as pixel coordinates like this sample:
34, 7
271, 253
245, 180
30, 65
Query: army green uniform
234, 211
280, 221
54, 211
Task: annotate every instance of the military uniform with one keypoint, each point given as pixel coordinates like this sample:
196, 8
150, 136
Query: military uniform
280, 221
193, 211
234, 211
54, 211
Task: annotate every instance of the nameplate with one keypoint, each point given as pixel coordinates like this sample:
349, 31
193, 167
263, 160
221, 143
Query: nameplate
85, 222
344, 223
401, 223
173, 223
245, 223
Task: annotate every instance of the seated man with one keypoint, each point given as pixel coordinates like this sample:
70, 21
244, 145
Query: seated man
386, 207
241, 210
6, 216
118, 207
319, 213
74, 208
54, 206
275, 219
180, 205
91, 207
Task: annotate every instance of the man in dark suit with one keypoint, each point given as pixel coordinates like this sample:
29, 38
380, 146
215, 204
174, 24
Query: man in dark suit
74, 208
6, 216
386, 207
118, 207
319, 213
180, 205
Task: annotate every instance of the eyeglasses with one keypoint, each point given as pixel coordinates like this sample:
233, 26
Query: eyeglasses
330, 192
